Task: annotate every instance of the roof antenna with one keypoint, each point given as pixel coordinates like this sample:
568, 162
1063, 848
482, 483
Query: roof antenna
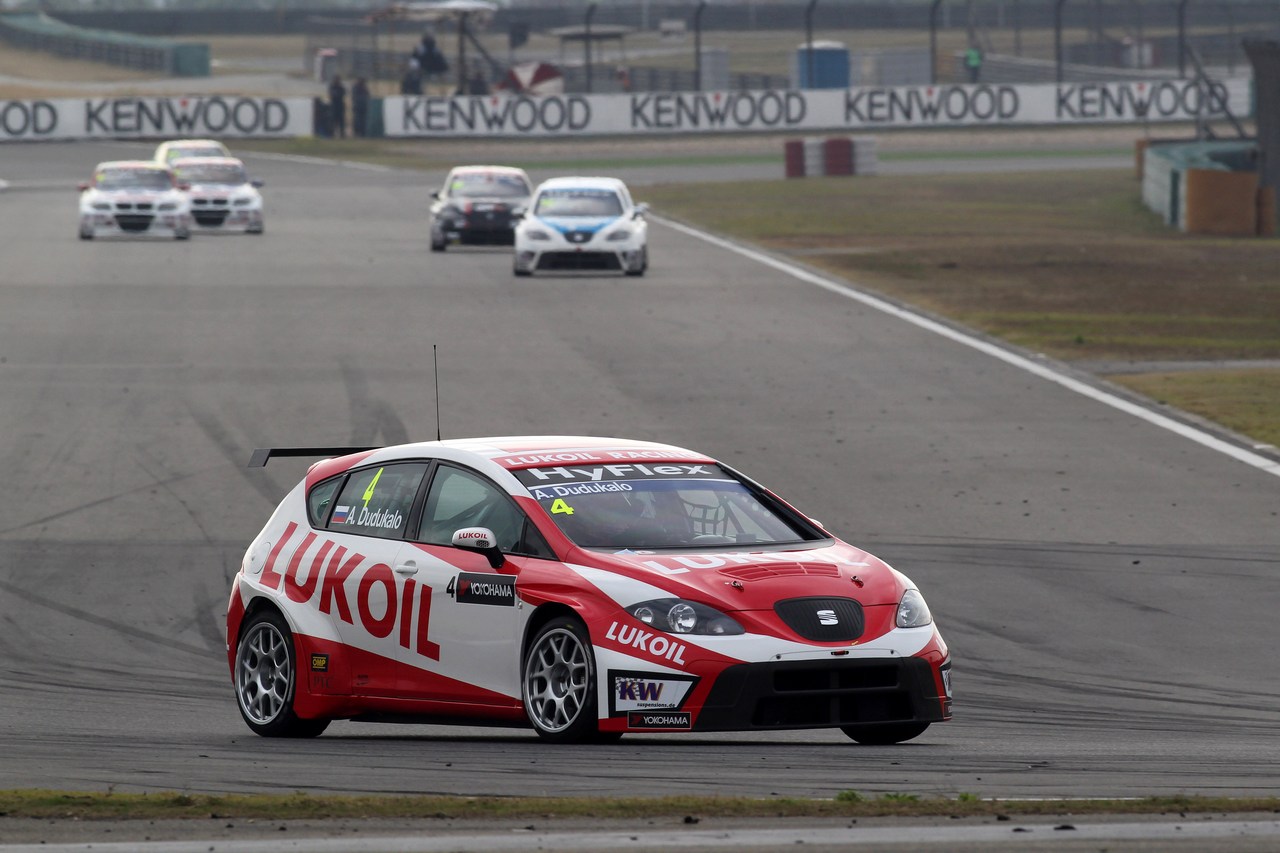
435, 363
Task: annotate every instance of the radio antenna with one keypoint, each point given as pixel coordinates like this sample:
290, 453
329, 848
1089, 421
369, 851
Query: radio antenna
435, 364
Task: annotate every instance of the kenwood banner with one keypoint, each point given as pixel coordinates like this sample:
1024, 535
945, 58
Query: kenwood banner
825, 110
142, 118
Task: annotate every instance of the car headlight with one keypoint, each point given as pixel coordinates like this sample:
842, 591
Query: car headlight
678, 616
535, 234
912, 611
242, 202
101, 205
169, 205
620, 234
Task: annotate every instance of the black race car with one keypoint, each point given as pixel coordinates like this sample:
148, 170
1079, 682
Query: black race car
479, 206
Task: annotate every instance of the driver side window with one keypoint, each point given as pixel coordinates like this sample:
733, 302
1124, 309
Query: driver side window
460, 499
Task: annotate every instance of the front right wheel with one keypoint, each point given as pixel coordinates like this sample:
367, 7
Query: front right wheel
560, 683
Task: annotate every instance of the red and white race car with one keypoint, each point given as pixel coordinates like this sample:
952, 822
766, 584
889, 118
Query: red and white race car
585, 586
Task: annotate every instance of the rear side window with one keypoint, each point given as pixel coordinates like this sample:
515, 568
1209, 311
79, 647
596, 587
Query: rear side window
320, 501
376, 501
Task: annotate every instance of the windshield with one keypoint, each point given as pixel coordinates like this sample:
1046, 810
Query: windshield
178, 152
650, 506
578, 203
488, 185
211, 173
132, 179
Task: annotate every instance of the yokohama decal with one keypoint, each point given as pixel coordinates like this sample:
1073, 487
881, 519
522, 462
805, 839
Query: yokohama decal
406, 611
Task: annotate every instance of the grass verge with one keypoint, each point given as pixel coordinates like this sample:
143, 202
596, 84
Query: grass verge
62, 805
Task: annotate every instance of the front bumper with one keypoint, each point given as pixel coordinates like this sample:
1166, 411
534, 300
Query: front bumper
825, 694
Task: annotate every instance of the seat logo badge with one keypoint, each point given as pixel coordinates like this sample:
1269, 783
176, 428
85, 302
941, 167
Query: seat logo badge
827, 617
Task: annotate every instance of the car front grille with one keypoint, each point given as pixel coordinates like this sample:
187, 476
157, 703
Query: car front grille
823, 620
134, 221
209, 217
578, 261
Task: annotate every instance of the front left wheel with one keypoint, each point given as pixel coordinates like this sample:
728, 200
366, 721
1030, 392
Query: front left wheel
267, 678
560, 683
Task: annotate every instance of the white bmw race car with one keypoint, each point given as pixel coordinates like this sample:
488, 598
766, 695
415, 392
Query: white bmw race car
222, 196
133, 197
582, 224
584, 587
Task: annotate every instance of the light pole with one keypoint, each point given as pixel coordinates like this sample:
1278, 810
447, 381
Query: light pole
586, 40
697, 45
808, 37
933, 41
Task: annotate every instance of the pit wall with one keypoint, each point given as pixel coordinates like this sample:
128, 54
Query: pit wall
518, 116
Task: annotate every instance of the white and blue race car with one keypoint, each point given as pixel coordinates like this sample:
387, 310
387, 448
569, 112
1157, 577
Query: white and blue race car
582, 224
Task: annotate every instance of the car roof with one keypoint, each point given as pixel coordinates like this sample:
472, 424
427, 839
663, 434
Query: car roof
131, 164
209, 161
583, 183
506, 170
174, 143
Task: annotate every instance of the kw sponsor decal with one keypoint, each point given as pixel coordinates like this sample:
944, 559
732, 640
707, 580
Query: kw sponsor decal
669, 720
319, 663
479, 588
320, 579
646, 641
647, 691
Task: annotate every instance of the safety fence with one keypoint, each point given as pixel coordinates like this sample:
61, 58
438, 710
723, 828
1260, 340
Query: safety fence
142, 53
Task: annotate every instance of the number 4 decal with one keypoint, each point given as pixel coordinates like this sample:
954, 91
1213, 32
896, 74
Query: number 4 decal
558, 505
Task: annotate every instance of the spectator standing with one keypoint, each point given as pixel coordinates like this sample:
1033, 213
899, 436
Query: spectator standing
411, 82
359, 107
338, 107
973, 62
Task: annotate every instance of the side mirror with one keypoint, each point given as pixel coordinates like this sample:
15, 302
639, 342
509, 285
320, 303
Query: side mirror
83, 185
641, 209
257, 184
435, 194
184, 186
479, 540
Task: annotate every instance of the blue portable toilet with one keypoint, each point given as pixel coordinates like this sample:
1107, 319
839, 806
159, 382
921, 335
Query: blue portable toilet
830, 66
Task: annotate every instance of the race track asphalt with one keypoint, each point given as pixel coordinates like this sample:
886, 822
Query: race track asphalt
1108, 587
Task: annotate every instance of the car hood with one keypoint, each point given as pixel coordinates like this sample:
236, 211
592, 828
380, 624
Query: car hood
741, 580
564, 224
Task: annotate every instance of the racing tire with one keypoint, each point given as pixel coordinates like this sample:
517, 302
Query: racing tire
86, 235
438, 245
521, 273
182, 235
644, 264
884, 734
266, 679
559, 683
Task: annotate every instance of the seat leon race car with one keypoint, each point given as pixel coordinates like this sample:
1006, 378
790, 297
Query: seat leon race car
176, 149
222, 196
586, 587
478, 206
582, 224
133, 197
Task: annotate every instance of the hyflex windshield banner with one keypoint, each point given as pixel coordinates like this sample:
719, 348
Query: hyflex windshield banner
222, 116
865, 108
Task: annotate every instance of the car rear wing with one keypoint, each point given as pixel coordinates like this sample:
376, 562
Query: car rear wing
262, 455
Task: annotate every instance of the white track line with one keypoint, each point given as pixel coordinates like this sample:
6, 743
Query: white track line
1044, 371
